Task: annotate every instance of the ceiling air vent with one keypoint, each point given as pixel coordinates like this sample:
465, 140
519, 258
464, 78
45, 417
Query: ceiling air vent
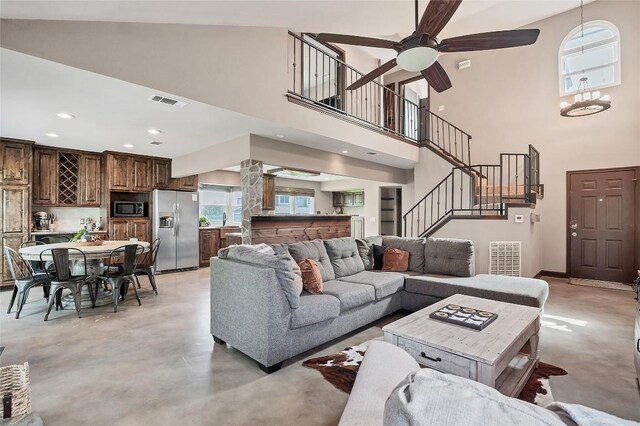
155, 143
168, 101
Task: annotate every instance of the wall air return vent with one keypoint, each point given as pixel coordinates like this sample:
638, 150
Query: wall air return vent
168, 101
504, 258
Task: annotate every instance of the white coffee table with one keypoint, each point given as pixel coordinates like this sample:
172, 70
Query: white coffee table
502, 356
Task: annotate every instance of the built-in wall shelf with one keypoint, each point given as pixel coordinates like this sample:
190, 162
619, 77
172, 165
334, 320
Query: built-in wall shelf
390, 207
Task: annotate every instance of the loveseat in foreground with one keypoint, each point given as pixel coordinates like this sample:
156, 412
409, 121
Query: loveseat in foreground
255, 310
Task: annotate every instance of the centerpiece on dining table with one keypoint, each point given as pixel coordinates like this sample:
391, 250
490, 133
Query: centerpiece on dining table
83, 238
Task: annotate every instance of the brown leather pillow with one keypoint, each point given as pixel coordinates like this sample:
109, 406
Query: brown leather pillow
395, 260
311, 277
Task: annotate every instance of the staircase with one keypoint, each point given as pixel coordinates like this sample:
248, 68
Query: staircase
480, 191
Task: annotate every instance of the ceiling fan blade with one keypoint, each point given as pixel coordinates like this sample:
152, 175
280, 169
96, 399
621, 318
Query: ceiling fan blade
372, 75
488, 41
437, 77
436, 16
356, 40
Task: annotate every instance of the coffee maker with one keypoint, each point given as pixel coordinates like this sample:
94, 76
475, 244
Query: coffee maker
41, 221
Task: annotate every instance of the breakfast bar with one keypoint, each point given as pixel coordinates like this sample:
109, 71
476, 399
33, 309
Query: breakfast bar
293, 228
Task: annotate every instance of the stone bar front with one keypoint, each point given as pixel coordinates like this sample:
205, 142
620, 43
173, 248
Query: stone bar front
294, 228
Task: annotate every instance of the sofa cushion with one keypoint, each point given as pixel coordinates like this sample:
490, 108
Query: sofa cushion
518, 290
280, 248
449, 256
365, 250
415, 247
311, 277
377, 239
384, 283
313, 250
314, 308
351, 295
344, 256
428, 397
280, 263
395, 260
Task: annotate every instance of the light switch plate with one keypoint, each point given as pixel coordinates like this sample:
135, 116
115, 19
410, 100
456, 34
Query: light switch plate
519, 218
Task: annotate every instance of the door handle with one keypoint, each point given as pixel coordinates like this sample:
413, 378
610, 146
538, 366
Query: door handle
177, 219
423, 355
638, 345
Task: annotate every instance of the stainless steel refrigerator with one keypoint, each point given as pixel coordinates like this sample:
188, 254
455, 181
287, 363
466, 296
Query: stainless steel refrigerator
175, 222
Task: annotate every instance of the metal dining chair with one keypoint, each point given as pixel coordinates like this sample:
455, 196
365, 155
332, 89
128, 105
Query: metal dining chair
146, 264
119, 281
63, 278
23, 279
38, 268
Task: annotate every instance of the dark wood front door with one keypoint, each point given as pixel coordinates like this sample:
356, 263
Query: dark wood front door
602, 224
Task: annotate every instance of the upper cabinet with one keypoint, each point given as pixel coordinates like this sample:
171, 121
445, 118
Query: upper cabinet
45, 177
160, 173
348, 199
118, 172
66, 178
140, 174
90, 179
268, 191
189, 183
15, 162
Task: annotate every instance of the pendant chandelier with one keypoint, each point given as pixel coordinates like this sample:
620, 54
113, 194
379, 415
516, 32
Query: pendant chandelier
585, 102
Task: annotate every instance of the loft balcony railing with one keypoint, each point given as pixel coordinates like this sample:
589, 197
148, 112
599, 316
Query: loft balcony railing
319, 78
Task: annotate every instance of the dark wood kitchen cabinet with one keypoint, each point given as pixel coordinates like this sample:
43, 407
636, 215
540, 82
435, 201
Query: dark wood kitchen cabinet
66, 178
268, 191
160, 173
128, 173
209, 245
15, 162
123, 229
15, 206
189, 183
348, 199
45, 177
90, 180
141, 174
118, 172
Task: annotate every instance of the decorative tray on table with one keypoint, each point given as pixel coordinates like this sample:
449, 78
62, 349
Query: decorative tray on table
464, 316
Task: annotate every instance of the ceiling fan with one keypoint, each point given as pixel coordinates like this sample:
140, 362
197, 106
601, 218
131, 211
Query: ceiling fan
419, 52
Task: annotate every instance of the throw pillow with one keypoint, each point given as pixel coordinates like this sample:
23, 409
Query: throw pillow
365, 250
297, 275
311, 277
395, 260
378, 254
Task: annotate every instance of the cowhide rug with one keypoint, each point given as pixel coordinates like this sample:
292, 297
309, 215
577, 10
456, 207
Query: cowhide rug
340, 369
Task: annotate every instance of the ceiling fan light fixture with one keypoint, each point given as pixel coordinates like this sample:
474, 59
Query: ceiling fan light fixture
417, 58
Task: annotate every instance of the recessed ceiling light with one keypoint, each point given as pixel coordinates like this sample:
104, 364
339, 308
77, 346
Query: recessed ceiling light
154, 131
325, 178
372, 153
344, 151
65, 115
53, 135
280, 136
128, 145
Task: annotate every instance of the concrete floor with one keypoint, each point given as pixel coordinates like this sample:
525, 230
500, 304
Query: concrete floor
157, 364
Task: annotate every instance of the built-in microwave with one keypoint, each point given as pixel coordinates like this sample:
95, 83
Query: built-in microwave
128, 209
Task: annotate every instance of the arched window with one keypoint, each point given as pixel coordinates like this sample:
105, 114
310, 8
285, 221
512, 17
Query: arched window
594, 54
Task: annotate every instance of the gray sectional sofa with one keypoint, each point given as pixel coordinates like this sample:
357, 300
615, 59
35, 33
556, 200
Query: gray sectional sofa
257, 308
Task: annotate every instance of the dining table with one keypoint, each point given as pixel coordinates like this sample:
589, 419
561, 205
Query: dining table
95, 256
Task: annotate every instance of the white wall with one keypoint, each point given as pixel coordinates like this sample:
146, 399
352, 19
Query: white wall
371, 209
509, 98
481, 232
